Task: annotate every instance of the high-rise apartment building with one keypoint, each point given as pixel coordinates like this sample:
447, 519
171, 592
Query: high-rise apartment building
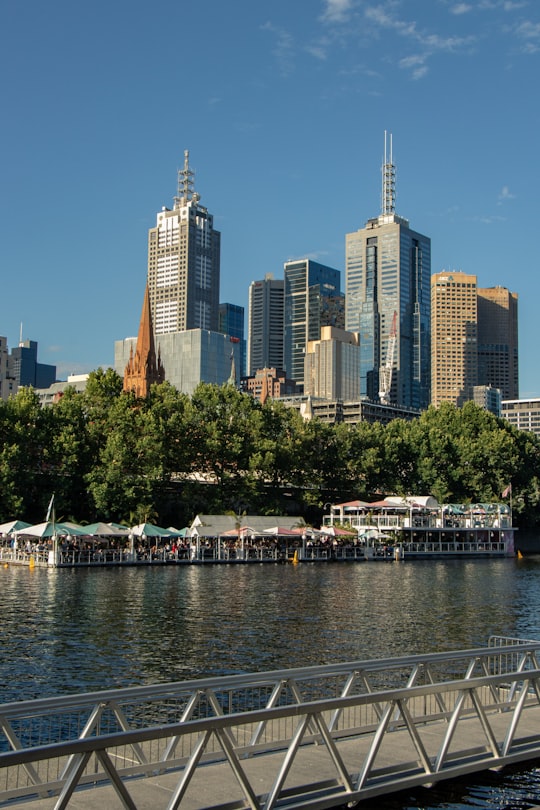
498, 340
184, 263
387, 283
454, 343
312, 300
265, 324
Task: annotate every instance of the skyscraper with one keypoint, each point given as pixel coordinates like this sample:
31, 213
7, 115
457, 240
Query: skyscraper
312, 299
454, 356
498, 340
265, 324
387, 284
184, 263
331, 366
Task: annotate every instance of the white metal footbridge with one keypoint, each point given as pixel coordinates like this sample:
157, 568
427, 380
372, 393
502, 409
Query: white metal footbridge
317, 737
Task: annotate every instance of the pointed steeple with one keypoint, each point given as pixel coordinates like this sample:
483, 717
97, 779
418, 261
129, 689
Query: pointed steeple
143, 368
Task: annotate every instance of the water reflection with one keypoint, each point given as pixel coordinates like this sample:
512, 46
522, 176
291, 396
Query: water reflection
68, 630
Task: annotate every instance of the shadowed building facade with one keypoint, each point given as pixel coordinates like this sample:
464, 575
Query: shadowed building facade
498, 340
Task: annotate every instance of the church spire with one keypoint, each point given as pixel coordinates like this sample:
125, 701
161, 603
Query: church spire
143, 368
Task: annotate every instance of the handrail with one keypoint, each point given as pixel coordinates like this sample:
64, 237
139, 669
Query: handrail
266, 678
494, 703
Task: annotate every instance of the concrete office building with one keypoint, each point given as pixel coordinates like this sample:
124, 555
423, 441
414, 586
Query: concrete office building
524, 414
487, 398
454, 343
265, 324
312, 300
183, 290
387, 287
184, 263
331, 365
498, 340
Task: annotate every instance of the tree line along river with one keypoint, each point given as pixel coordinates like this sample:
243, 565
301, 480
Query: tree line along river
75, 630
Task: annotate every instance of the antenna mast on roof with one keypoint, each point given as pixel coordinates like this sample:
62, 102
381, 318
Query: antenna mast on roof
388, 181
186, 178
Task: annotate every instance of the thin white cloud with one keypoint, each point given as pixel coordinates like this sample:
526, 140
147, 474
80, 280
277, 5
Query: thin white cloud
336, 10
318, 51
429, 43
529, 33
505, 194
461, 8
489, 220
283, 49
416, 64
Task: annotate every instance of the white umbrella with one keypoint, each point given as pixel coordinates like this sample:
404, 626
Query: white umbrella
13, 526
49, 529
105, 530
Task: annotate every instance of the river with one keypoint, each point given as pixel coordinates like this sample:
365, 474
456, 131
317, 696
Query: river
73, 630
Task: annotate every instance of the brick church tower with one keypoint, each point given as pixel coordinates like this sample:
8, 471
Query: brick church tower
143, 367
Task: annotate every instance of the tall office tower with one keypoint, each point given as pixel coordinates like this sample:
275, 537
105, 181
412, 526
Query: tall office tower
331, 366
265, 324
312, 300
454, 340
184, 262
23, 366
387, 278
231, 323
498, 340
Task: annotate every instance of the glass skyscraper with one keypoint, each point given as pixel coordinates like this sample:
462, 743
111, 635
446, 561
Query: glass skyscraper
387, 294
312, 299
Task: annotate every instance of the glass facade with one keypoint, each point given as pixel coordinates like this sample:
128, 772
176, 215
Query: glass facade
312, 299
388, 269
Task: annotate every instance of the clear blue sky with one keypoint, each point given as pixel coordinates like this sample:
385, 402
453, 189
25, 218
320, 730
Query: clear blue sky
283, 106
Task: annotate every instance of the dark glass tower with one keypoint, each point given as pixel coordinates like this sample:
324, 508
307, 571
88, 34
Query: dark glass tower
387, 293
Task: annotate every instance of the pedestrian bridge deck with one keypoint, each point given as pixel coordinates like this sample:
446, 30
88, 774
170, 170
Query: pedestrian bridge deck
317, 737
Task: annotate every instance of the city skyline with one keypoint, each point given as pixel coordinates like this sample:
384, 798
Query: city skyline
286, 141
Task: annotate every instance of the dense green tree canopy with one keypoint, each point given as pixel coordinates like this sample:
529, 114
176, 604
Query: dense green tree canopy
108, 455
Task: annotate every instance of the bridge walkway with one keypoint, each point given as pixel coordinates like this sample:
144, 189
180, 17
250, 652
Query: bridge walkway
318, 737
215, 785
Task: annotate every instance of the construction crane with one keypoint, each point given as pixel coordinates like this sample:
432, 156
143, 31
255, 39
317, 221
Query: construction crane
385, 372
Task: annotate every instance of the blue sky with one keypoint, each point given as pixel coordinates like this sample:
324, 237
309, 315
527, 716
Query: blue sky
283, 106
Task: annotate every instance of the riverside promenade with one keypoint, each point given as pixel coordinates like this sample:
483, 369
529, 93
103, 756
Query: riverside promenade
318, 737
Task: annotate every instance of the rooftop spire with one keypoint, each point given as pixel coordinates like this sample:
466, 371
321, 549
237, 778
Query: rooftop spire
388, 181
186, 178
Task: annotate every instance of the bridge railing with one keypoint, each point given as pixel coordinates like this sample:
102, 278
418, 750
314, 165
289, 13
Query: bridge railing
54, 745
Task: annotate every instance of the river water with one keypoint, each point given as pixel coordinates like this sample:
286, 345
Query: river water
73, 630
